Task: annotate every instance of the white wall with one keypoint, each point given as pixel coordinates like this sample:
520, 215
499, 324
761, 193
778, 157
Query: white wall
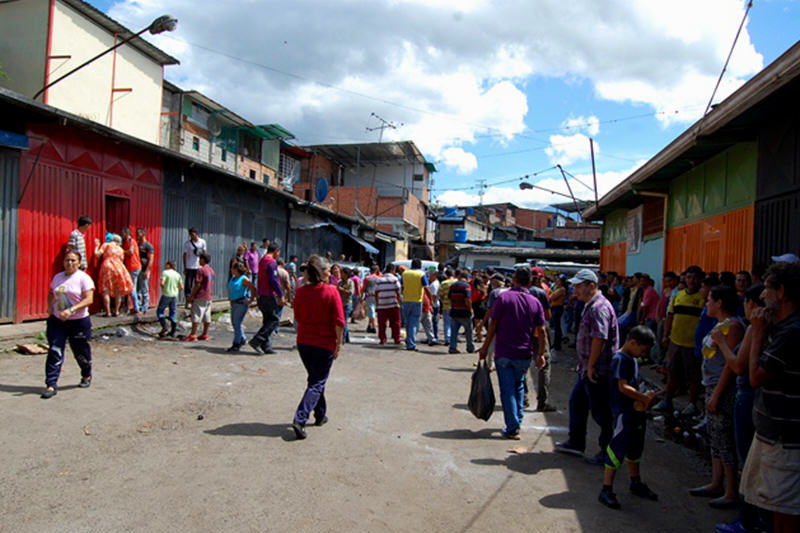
88, 92
23, 45
392, 178
483, 260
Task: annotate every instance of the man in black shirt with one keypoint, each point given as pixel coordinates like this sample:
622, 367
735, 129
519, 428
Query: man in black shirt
460, 311
146, 252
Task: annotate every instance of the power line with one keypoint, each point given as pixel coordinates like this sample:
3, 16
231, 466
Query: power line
730, 53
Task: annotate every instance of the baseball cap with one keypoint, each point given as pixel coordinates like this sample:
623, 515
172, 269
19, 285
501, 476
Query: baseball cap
537, 271
786, 258
498, 277
583, 275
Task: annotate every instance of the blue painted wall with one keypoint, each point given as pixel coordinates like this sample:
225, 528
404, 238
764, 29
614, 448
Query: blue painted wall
650, 260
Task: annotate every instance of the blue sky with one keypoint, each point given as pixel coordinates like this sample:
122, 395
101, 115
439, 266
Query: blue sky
487, 92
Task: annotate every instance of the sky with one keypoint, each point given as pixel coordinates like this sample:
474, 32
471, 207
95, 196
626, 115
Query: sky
492, 92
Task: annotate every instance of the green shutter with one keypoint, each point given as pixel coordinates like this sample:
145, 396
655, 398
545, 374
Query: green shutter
742, 170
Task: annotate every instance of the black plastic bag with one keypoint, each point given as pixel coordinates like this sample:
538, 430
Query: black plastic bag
481, 394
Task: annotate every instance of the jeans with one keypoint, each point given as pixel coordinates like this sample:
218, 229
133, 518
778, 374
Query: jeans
455, 324
412, 311
78, 332
238, 312
446, 325
268, 305
318, 362
541, 376
595, 397
143, 288
134, 296
427, 326
392, 316
191, 273
348, 310
163, 303
436, 310
511, 377
558, 313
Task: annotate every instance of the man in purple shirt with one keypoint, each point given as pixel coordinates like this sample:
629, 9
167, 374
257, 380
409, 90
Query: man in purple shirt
517, 319
252, 259
597, 342
270, 300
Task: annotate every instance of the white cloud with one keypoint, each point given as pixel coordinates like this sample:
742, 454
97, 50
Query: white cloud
456, 158
456, 70
567, 149
590, 125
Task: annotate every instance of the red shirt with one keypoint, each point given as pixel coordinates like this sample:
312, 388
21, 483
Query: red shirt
205, 280
317, 311
132, 262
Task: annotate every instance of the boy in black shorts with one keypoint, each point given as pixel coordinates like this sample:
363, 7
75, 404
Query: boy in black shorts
628, 406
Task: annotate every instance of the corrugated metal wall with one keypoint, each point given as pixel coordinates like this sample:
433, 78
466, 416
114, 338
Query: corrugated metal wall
717, 243
74, 173
9, 180
613, 258
225, 211
776, 229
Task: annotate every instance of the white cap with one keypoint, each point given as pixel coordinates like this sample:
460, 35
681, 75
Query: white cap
786, 258
582, 276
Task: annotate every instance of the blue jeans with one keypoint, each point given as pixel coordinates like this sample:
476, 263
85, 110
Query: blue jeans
318, 363
163, 303
595, 397
446, 325
436, 310
412, 311
348, 310
238, 312
511, 378
143, 290
134, 295
455, 324
558, 314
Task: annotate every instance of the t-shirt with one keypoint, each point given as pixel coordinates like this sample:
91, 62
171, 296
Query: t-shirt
192, 255
67, 292
558, 296
172, 283
205, 280
369, 285
713, 366
251, 257
598, 321
493, 296
356, 284
517, 314
624, 367
236, 288
649, 305
459, 295
776, 411
434, 287
540, 295
704, 327
686, 309
77, 241
268, 281
317, 312
132, 261
663, 303
387, 288
285, 279
444, 293
413, 282
145, 249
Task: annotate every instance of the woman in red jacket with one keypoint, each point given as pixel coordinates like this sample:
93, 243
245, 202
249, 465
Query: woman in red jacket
320, 321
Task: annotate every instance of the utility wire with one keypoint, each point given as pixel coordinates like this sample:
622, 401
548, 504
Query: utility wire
730, 53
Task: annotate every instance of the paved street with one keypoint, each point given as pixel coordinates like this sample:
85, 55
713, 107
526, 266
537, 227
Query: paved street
176, 436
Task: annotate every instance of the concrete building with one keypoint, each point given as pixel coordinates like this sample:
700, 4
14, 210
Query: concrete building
43, 39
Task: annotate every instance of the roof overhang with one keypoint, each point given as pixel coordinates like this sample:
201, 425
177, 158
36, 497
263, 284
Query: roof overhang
371, 154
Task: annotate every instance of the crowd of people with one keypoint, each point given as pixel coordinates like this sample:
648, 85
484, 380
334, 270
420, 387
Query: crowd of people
729, 337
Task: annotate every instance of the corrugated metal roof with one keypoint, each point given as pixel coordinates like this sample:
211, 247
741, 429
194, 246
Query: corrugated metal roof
371, 154
277, 131
104, 21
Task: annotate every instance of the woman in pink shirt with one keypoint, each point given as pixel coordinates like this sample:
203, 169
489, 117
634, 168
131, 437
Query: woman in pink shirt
71, 293
320, 322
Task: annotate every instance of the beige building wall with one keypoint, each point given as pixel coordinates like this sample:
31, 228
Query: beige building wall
88, 92
23, 45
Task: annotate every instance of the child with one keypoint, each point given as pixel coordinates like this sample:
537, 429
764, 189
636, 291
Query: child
171, 285
628, 406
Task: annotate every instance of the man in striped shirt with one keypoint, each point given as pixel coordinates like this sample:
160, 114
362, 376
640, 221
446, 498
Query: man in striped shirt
387, 301
77, 240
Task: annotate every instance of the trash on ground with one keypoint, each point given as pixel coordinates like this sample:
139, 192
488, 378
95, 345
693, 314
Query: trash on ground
32, 349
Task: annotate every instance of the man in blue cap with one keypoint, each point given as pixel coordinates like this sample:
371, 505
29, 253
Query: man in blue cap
597, 342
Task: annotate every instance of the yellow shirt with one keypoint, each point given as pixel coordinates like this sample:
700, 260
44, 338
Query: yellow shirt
685, 310
412, 285
558, 296
444, 293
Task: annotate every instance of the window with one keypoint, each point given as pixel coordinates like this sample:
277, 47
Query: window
195, 144
419, 177
265, 177
224, 154
252, 174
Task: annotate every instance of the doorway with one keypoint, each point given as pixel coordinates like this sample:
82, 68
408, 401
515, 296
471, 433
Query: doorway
118, 212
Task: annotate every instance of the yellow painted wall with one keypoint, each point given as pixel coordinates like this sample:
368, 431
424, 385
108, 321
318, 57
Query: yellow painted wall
23, 45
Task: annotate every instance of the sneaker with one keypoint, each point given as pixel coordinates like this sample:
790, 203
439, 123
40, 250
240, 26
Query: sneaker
48, 393
256, 347
190, 338
609, 499
453, 351
597, 459
643, 491
202, 338
232, 349
267, 351
85, 383
690, 410
567, 447
731, 527
299, 430
663, 406
546, 408
321, 422
701, 427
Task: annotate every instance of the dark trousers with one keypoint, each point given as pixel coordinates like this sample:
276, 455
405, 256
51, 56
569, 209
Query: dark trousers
78, 333
392, 316
589, 397
558, 313
270, 317
189, 283
318, 363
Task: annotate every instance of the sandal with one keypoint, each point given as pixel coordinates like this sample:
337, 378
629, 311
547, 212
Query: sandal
703, 492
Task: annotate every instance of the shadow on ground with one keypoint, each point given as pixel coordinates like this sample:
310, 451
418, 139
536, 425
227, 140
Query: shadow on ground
254, 429
22, 390
464, 434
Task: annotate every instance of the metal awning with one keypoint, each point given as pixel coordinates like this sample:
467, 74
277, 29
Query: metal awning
384, 154
364, 244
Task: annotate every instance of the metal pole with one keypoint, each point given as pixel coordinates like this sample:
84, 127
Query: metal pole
594, 174
569, 189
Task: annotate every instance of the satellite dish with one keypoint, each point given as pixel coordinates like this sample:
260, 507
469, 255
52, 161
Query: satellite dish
214, 126
321, 190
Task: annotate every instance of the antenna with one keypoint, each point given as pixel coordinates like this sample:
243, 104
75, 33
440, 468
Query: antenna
384, 125
481, 190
